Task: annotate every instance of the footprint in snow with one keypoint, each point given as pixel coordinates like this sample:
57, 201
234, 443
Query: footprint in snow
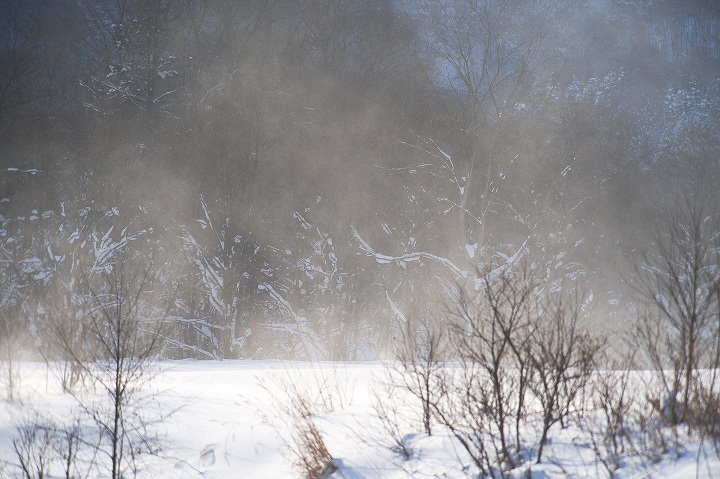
207, 456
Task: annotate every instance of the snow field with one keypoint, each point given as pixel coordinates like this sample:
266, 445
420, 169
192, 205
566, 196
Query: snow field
230, 419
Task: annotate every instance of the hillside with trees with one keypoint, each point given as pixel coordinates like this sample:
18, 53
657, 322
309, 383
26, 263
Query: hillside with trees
305, 179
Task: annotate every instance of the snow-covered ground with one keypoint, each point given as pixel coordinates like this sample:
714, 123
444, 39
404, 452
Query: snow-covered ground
227, 420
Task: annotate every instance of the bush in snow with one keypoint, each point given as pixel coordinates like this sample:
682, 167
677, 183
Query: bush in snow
679, 282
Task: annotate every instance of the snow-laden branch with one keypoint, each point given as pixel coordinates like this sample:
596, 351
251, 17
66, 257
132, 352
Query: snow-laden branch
399, 315
299, 325
407, 257
32, 171
509, 261
460, 182
106, 246
284, 305
478, 281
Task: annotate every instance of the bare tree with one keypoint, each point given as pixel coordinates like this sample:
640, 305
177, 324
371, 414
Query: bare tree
226, 257
63, 307
20, 273
36, 56
490, 57
679, 280
130, 56
123, 339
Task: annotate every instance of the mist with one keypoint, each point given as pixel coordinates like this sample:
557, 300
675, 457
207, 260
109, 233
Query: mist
303, 178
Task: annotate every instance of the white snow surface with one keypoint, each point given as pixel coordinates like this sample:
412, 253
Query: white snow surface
224, 423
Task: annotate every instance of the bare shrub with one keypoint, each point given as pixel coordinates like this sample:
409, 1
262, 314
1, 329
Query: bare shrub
12, 324
706, 409
386, 404
484, 401
679, 284
652, 439
625, 425
306, 445
707, 416
492, 335
465, 410
419, 361
17, 285
610, 428
313, 458
516, 349
563, 359
412, 388
45, 449
33, 446
70, 442
64, 305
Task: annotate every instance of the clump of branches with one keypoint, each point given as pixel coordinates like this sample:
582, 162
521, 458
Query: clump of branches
387, 404
64, 307
563, 359
492, 331
46, 449
708, 424
611, 427
677, 335
420, 359
306, 444
622, 427
8, 339
313, 458
464, 410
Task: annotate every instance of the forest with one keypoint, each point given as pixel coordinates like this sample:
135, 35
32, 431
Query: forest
308, 179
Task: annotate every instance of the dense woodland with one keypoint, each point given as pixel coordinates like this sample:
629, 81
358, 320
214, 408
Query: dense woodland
300, 179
